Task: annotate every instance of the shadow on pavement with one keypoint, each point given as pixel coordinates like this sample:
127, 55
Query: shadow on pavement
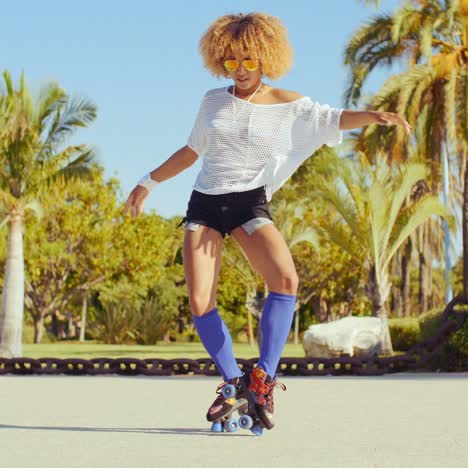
148, 430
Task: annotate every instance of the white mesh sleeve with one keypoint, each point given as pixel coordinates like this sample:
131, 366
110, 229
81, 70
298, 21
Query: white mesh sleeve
321, 124
197, 138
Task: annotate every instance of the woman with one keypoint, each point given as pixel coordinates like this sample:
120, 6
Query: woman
252, 137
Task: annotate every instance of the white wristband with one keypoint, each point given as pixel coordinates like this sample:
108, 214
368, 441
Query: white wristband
147, 182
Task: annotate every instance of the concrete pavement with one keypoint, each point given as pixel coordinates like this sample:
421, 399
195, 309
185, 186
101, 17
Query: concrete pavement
392, 421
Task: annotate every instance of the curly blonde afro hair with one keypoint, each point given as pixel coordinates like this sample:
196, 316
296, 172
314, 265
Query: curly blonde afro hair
260, 35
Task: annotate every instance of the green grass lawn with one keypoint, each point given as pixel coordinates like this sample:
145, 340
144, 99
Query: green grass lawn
85, 350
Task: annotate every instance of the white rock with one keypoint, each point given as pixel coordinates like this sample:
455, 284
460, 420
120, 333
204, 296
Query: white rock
353, 336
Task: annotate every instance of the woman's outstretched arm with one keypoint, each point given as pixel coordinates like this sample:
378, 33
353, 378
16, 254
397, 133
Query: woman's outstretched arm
355, 119
178, 162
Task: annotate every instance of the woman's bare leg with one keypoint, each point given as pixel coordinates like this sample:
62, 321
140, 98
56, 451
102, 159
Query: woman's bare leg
202, 255
202, 262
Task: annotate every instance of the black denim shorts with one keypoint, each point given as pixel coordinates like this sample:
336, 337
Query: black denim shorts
227, 211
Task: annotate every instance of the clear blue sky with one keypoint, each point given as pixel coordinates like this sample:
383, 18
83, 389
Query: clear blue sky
139, 62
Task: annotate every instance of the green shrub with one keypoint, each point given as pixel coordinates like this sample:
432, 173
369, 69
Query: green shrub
113, 324
160, 310
155, 319
188, 335
404, 332
429, 323
452, 355
459, 340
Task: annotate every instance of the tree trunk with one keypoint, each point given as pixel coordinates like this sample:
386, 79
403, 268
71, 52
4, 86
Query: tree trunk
405, 279
396, 292
423, 293
255, 300
377, 294
465, 235
430, 291
250, 329
84, 311
424, 271
429, 304
11, 315
38, 329
296, 325
446, 194
71, 329
55, 325
325, 312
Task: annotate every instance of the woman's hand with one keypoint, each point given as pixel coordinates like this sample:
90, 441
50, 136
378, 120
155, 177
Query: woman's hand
390, 118
135, 201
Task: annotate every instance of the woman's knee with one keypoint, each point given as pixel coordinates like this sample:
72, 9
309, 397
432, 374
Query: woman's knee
201, 304
286, 283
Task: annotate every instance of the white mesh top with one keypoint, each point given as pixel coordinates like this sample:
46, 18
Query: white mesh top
246, 145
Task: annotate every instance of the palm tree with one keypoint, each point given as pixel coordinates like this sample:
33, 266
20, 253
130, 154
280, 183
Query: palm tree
32, 135
432, 35
369, 203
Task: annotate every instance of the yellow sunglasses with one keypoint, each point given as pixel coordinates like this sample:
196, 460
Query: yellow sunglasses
233, 65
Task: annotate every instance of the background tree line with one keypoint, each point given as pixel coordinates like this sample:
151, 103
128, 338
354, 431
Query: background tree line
368, 232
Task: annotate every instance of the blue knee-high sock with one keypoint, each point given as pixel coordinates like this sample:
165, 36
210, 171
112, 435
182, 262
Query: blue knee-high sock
277, 316
217, 341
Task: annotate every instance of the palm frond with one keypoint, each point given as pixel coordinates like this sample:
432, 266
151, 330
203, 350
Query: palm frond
49, 99
330, 193
80, 167
36, 207
413, 217
8, 83
369, 47
450, 105
72, 114
407, 176
426, 36
337, 232
4, 221
309, 235
7, 200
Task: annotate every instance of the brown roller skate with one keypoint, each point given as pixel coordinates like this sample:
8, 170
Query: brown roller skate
231, 397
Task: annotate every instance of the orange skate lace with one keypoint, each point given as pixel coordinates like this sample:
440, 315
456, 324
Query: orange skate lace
270, 405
